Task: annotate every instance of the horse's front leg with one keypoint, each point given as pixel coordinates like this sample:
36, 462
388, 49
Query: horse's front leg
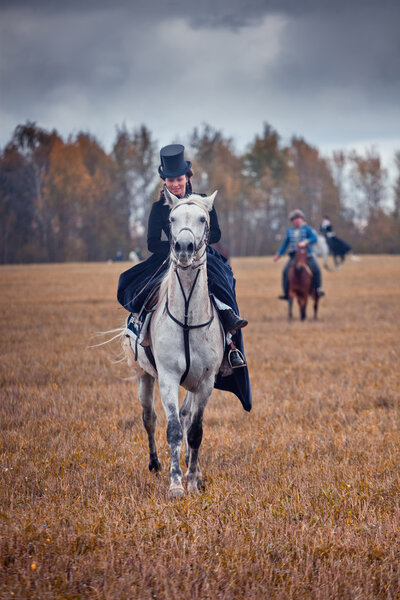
315, 306
184, 417
146, 390
303, 307
169, 397
195, 435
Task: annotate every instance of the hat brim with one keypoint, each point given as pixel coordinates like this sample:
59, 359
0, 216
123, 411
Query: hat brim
164, 174
297, 215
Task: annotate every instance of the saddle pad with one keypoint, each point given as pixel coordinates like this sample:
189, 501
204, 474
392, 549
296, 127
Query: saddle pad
132, 325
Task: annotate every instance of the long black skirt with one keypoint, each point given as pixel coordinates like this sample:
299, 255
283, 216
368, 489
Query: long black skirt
337, 246
132, 292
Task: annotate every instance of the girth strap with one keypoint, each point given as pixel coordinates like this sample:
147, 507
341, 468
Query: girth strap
150, 356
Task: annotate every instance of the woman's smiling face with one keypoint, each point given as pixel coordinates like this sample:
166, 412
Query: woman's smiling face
177, 185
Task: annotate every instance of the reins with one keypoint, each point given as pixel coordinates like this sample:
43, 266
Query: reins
301, 260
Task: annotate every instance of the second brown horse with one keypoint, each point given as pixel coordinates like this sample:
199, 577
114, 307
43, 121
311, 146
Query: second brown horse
300, 284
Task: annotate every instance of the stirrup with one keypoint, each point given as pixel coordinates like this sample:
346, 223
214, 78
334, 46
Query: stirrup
233, 355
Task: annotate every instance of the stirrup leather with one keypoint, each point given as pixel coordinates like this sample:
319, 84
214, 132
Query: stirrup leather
240, 355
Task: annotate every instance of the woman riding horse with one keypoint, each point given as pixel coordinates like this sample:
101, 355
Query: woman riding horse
337, 247
135, 284
302, 235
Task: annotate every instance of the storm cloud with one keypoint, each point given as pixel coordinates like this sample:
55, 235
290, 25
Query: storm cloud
328, 72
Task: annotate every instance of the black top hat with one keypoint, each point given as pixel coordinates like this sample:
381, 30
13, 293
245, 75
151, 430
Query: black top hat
173, 163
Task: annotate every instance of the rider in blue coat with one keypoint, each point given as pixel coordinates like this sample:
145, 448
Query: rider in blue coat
300, 234
135, 284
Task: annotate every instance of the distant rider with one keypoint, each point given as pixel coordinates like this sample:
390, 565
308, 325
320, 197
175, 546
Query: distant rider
302, 235
336, 246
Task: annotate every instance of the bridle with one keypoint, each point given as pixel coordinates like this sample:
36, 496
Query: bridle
197, 247
194, 265
300, 261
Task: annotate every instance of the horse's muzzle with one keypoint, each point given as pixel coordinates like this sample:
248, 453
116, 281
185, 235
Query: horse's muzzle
184, 247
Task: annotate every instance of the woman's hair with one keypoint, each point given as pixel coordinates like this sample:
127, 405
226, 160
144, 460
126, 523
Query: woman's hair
189, 174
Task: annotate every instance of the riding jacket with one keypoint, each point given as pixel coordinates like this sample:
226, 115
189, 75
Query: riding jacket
294, 236
337, 246
135, 284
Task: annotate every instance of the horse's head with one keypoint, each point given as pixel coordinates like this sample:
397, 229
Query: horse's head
189, 225
301, 257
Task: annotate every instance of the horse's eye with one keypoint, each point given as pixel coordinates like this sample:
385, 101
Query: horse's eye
202, 219
171, 219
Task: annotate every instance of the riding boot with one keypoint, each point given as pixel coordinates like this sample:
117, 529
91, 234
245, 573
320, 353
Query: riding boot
231, 321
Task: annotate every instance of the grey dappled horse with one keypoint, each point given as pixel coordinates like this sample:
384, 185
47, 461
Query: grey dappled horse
187, 341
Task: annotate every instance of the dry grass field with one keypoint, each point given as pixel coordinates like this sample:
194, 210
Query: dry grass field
302, 496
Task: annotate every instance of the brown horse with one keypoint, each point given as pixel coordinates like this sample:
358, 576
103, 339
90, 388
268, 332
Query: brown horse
300, 284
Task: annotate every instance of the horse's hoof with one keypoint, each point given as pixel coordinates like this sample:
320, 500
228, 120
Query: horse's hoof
176, 492
154, 465
193, 488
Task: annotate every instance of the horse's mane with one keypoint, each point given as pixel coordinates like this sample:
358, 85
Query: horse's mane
194, 199
164, 284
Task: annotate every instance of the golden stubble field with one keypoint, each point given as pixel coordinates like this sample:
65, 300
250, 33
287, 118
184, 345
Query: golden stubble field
302, 496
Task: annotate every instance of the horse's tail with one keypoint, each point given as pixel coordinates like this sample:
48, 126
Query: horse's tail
120, 331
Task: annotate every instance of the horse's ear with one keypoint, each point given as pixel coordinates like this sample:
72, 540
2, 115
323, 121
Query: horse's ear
170, 199
209, 200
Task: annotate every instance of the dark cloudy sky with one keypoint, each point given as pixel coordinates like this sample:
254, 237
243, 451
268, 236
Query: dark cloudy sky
325, 69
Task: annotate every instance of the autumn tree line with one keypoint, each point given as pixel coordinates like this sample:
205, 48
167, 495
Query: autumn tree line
70, 200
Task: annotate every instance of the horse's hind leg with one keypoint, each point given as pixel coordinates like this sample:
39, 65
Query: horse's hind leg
146, 389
